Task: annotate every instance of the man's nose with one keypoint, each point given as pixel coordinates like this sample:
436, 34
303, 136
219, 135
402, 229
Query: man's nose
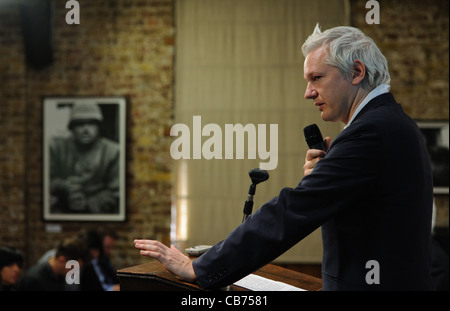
310, 92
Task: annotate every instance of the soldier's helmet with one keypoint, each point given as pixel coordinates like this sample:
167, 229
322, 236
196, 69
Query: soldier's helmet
85, 112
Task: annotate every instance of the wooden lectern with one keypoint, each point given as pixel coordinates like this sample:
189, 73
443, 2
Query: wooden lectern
152, 276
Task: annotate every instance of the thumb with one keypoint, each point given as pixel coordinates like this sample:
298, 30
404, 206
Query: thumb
327, 141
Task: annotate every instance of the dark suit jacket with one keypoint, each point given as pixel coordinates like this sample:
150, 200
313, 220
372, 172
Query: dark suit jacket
41, 277
372, 195
90, 281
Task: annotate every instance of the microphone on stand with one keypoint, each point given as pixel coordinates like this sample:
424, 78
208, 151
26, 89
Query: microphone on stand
257, 176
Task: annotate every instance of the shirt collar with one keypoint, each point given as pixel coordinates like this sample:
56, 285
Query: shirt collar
381, 89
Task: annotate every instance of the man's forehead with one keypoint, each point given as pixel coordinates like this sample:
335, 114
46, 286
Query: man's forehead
315, 56
314, 61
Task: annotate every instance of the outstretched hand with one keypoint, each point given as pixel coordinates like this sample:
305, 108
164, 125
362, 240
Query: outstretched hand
171, 258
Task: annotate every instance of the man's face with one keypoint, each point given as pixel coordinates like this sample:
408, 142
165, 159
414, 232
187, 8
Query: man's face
331, 92
85, 132
9, 275
108, 245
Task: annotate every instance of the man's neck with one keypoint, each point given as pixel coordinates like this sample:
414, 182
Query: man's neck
368, 96
359, 97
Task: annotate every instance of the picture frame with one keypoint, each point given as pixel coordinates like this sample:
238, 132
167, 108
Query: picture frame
84, 158
436, 134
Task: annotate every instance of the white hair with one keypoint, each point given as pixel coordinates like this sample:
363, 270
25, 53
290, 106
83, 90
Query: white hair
344, 45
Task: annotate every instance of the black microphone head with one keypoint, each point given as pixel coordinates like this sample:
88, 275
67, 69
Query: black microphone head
313, 137
257, 175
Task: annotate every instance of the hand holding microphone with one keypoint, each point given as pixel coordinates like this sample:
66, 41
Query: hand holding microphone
318, 147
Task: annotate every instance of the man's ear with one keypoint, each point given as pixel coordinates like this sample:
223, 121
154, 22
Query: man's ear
359, 72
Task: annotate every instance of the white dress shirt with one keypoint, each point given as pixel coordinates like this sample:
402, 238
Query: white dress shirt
381, 89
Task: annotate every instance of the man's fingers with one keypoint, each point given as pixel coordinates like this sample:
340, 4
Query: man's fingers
312, 157
151, 248
314, 153
171, 258
151, 254
150, 245
149, 242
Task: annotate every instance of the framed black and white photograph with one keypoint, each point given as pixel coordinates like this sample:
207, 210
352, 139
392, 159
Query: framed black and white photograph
437, 139
84, 158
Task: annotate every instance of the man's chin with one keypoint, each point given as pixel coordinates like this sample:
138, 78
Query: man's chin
86, 140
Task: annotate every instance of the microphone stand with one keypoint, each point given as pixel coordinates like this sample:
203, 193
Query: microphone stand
248, 206
257, 176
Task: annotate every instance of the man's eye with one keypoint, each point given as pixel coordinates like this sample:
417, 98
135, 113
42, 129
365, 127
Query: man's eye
317, 78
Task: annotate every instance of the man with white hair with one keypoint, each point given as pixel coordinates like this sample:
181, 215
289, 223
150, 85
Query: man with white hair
371, 191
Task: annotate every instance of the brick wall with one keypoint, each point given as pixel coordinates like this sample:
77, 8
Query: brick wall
123, 48
12, 129
413, 35
126, 47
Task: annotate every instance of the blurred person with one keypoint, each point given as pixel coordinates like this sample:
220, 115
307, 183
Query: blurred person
109, 243
11, 263
50, 275
96, 275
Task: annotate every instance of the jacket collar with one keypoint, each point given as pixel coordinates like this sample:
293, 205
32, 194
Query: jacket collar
381, 100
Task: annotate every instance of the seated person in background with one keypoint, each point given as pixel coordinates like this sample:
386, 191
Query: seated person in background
97, 275
109, 243
11, 262
51, 275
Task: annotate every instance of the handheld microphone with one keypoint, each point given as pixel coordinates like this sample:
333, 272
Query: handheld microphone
257, 176
313, 137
